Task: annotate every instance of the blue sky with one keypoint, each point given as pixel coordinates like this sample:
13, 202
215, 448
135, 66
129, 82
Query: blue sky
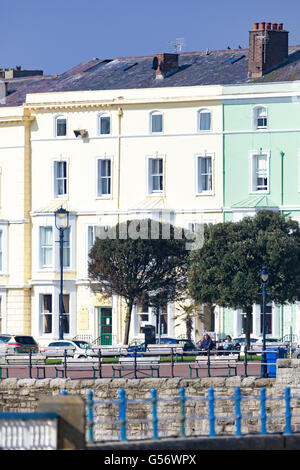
54, 35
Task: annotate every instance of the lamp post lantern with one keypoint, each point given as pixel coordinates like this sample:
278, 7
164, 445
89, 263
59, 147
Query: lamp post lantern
264, 275
61, 223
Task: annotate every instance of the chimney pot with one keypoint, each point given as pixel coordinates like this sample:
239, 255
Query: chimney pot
275, 26
280, 26
262, 25
256, 26
269, 25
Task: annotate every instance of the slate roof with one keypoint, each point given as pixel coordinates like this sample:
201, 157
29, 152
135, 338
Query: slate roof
227, 67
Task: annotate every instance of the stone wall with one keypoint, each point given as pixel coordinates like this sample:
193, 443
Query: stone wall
23, 395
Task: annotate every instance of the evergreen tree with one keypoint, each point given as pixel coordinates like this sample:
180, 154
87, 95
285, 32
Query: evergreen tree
226, 270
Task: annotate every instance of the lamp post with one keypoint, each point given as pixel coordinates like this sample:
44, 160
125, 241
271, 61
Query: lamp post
61, 223
264, 275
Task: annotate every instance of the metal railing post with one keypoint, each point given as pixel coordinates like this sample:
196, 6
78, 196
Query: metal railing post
135, 354
211, 412
263, 414
154, 413
122, 411
208, 363
90, 416
288, 415
65, 363
238, 415
172, 362
30, 364
100, 363
245, 362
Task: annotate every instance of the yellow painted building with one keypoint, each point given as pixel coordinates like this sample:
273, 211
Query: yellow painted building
106, 156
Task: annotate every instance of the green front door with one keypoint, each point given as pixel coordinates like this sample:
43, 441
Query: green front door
106, 325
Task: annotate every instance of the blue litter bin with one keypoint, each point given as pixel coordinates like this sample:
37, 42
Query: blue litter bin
272, 354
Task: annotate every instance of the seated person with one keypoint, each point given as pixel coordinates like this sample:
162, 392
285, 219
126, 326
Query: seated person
228, 344
206, 343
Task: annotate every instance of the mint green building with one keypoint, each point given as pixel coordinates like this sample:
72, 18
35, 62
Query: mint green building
261, 170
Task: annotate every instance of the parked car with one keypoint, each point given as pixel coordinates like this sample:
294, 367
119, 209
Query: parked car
240, 342
186, 344
17, 344
74, 348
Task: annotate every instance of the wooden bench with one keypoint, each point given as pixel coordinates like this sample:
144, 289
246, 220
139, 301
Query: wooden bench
167, 349
35, 361
136, 364
212, 361
110, 351
81, 365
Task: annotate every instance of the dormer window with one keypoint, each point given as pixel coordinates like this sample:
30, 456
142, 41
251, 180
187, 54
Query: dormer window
104, 124
156, 122
60, 126
260, 117
204, 120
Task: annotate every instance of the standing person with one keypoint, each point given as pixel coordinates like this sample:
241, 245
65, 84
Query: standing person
206, 343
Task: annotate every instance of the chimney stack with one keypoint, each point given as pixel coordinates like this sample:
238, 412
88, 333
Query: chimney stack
268, 47
165, 64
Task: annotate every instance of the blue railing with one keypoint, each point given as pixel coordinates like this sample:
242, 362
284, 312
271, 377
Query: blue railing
122, 422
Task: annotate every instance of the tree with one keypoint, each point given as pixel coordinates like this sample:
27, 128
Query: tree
187, 313
139, 257
226, 270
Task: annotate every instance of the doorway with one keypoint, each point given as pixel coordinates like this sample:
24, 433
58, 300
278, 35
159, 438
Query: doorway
105, 326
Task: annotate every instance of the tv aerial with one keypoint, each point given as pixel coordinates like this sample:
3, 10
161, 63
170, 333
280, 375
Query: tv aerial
178, 45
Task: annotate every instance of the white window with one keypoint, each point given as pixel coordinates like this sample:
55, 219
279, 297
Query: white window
104, 177
60, 178
66, 249
204, 174
46, 247
155, 175
156, 122
46, 313
104, 123
260, 118
204, 120
259, 172
60, 126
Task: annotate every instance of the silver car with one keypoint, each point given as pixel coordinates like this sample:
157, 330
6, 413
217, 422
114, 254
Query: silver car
17, 344
74, 348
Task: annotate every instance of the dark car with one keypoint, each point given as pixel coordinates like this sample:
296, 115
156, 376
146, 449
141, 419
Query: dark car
186, 344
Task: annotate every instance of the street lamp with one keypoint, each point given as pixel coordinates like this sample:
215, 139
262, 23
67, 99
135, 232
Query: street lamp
264, 275
61, 223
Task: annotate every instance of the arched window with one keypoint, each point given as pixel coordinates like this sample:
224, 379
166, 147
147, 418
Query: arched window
156, 121
204, 120
104, 123
60, 126
260, 117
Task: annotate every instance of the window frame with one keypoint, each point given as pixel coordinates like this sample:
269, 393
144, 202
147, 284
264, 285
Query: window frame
253, 172
104, 114
43, 247
56, 118
156, 112
100, 194
255, 117
150, 190
199, 191
204, 111
56, 163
